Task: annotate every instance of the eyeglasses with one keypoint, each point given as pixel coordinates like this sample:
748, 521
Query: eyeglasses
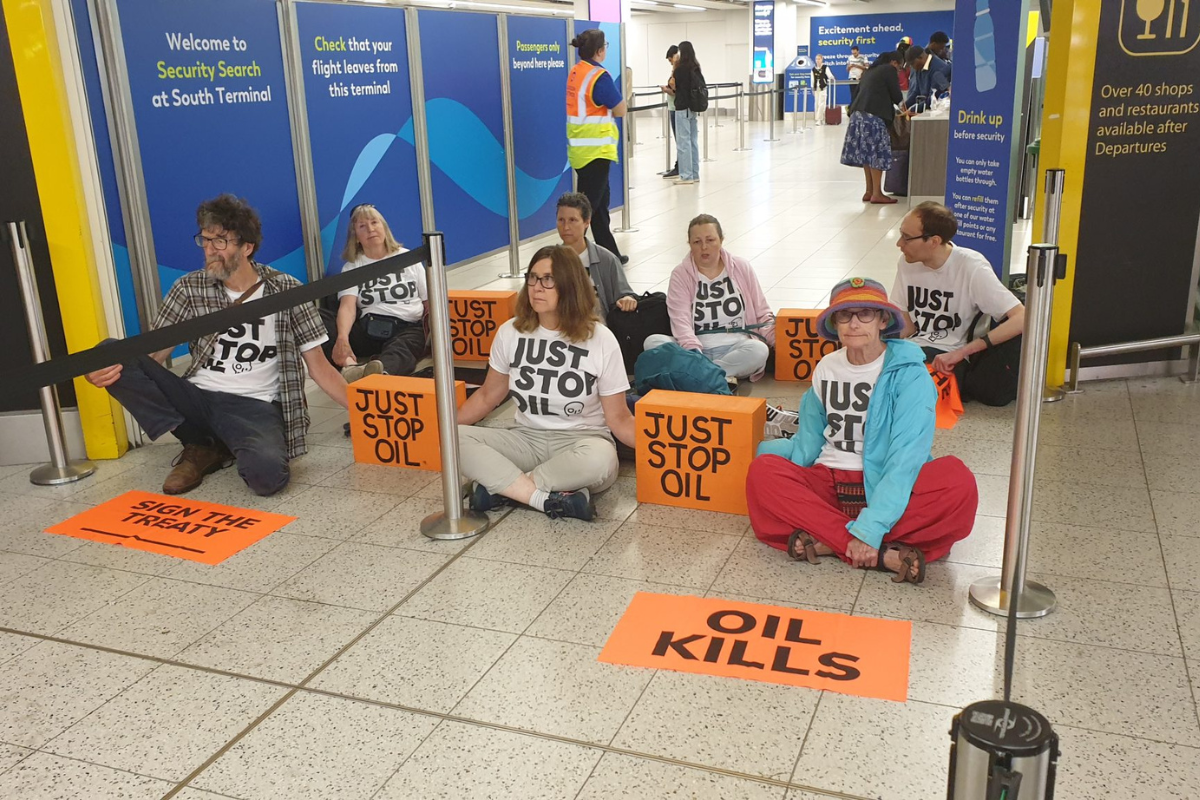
218, 242
547, 281
904, 238
844, 316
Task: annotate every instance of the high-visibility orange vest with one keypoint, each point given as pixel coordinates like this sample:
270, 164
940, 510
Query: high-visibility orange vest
591, 131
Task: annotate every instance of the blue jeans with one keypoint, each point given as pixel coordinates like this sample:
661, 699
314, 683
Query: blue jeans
687, 140
252, 429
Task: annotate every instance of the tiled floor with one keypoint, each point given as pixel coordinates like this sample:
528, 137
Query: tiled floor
347, 656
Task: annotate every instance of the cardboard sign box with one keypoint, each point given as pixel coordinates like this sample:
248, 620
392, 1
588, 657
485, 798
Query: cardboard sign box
474, 319
798, 347
693, 450
394, 421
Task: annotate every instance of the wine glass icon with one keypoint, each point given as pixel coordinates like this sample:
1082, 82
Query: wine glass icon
1148, 11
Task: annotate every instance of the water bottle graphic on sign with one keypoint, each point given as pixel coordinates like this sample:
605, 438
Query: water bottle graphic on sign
985, 48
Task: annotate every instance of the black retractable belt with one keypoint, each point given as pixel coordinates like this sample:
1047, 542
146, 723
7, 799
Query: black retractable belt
71, 366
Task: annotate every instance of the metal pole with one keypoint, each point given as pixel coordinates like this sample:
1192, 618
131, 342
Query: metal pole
61, 468
1055, 180
992, 594
771, 116
741, 115
626, 154
510, 157
453, 522
806, 91
416, 76
306, 187
705, 118
795, 108
717, 109
666, 134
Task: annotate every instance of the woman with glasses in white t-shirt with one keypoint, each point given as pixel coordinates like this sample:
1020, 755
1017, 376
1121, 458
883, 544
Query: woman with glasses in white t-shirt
564, 371
857, 480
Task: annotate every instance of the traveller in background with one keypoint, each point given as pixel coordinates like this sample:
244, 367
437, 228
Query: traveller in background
612, 288
868, 142
930, 79
242, 397
565, 373
820, 79
856, 65
939, 45
942, 288
717, 307
857, 480
593, 101
669, 92
379, 327
902, 48
688, 79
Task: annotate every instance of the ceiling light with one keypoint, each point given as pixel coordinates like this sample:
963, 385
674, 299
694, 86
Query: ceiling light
689, 8
821, 3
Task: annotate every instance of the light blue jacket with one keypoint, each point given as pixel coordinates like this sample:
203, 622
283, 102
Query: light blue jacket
897, 441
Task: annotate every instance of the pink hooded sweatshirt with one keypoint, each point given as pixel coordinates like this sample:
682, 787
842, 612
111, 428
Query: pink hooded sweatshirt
681, 297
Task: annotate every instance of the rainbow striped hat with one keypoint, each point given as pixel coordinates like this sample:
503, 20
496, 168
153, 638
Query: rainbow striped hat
859, 293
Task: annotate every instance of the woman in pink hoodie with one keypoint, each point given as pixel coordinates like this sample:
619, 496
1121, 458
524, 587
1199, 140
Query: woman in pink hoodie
713, 299
718, 308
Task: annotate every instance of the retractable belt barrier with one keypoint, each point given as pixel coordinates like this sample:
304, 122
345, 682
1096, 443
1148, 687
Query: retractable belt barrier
65, 368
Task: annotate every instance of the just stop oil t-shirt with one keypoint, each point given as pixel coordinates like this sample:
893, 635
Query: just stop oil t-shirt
556, 383
844, 390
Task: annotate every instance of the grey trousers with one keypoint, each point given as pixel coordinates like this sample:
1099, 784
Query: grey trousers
558, 461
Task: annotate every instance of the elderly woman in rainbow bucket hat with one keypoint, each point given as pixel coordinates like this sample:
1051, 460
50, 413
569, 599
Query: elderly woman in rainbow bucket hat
857, 480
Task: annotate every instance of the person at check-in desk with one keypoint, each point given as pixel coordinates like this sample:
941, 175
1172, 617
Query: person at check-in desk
943, 288
603, 267
868, 143
593, 103
379, 327
564, 371
242, 397
930, 79
857, 480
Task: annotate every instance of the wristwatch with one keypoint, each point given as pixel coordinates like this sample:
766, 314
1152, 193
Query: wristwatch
987, 340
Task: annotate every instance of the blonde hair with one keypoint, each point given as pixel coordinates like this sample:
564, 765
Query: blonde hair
353, 248
577, 316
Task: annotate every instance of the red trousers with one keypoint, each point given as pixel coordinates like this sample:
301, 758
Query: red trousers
784, 497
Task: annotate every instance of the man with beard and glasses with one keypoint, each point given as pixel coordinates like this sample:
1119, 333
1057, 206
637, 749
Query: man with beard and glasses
242, 397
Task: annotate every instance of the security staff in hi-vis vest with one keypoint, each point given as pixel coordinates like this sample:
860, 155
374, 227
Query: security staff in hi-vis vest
593, 100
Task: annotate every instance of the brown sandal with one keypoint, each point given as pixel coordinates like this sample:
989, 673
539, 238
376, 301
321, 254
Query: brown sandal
909, 557
807, 544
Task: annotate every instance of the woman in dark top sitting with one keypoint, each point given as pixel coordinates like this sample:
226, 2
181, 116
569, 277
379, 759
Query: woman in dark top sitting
868, 142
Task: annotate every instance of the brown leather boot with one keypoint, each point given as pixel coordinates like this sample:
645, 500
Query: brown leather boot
190, 466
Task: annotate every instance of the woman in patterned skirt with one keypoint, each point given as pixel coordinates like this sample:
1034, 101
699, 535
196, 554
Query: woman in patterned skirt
868, 142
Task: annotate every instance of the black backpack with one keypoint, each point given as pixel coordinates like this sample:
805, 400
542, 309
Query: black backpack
699, 101
991, 375
632, 327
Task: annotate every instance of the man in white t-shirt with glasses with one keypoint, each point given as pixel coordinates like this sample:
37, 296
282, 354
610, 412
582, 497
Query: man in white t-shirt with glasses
242, 397
943, 288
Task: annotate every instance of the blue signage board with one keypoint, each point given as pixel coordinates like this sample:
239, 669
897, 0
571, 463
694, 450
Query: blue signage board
358, 99
762, 58
797, 80
613, 63
538, 55
210, 106
873, 34
985, 118
460, 62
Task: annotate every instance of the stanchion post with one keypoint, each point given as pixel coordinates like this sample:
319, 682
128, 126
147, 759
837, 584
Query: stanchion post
705, 118
453, 522
770, 116
806, 93
61, 468
795, 108
1055, 181
717, 108
666, 134
626, 152
992, 594
740, 100
510, 166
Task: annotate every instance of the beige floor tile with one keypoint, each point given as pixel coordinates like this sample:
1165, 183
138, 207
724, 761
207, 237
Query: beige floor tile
57, 593
1097, 764
663, 555
527, 537
333, 513
260, 567
362, 576
757, 570
1176, 514
43, 776
628, 776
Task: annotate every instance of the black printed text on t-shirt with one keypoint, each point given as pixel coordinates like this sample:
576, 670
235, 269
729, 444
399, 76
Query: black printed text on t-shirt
716, 301
388, 289
546, 369
845, 409
932, 312
239, 348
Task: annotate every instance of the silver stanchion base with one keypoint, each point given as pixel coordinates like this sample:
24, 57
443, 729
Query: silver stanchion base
742, 149
1053, 395
439, 526
510, 275
1036, 599
625, 230
50, 475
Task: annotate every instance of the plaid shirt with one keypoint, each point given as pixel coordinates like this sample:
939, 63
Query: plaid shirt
197, 294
